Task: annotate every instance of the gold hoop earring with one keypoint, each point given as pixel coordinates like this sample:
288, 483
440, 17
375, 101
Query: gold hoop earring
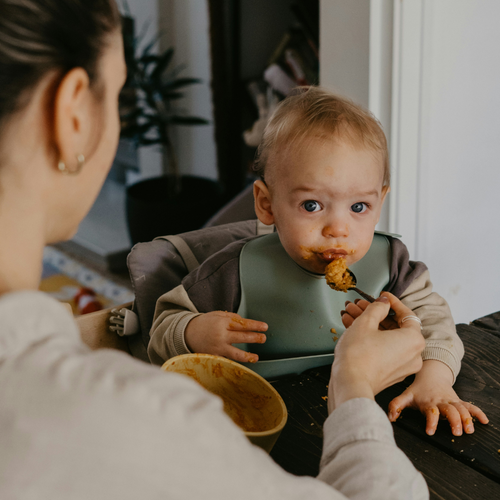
80, 159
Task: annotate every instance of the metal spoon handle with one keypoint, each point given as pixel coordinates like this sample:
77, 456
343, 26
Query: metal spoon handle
369, 298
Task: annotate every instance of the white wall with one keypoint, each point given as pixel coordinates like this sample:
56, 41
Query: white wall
356, 58
145, 13
183, 24
448, 150
345, 47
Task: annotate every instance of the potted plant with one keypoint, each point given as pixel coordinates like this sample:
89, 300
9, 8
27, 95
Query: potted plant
171, 203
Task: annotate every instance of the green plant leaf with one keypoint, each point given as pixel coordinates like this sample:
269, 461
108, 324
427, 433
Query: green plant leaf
180, 82
133, 115
152, 86
151, 44
146, 141
163, 62
148, 59
188, 120
171, 95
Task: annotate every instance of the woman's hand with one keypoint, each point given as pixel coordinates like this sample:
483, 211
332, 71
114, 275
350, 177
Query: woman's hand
367, 359
215, 332
354, 309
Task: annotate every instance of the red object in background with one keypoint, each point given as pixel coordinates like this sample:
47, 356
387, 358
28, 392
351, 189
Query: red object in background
86, 301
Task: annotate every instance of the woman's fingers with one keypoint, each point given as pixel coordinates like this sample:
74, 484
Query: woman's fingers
347, 319
401, 311
373, 359
354, 310
389, 324
351, 312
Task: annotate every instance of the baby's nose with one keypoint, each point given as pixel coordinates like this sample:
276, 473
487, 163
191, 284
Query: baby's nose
336, 229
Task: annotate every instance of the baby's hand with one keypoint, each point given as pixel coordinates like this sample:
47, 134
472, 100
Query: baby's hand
214, 332
432, 393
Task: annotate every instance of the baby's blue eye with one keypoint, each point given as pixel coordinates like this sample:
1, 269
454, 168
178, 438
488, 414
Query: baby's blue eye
311, 206
359, 208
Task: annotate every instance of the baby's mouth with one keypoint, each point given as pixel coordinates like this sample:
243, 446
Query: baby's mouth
332, 254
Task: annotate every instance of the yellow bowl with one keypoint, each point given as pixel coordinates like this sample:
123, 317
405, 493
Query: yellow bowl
251, 401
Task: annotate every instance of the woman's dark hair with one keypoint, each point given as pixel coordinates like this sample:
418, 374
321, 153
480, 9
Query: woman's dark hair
37, 36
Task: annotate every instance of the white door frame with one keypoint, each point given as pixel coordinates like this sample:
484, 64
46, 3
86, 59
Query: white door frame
407, 197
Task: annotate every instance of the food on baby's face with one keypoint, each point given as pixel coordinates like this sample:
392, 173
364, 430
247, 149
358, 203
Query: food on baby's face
337, 275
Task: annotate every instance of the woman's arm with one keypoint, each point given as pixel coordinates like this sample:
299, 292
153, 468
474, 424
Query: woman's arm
360, 456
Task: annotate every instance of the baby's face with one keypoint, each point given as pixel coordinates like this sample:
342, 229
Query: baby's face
326, 199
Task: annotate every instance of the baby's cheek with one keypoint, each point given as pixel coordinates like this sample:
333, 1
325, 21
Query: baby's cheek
359, 253
304, 253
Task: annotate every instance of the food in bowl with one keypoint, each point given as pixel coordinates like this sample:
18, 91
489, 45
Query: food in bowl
252, 403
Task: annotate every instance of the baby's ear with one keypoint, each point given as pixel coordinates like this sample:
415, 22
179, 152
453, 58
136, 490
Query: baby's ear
262, 199
385, 191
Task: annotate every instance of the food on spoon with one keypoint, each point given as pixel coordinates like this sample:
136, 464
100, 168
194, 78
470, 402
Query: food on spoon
337, 275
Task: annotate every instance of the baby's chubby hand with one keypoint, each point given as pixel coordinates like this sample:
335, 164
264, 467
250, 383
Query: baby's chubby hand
432, 393
216, 331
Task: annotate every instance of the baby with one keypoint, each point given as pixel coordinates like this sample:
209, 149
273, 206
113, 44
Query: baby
324, 176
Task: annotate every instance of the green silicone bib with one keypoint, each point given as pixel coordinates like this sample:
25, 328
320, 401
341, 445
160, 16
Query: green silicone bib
299, 307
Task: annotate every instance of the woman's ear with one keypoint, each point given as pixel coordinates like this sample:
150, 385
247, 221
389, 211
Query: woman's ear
72, 117
263, 207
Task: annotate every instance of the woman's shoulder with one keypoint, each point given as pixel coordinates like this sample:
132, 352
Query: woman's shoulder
40, 340
52, 373
93, 415
28, 317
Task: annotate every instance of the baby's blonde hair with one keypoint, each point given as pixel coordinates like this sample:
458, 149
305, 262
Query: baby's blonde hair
315, 112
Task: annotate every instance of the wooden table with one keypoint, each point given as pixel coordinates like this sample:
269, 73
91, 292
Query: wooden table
465, 467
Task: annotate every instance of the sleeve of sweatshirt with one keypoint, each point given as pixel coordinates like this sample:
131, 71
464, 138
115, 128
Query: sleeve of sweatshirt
410, 282
213, 286
360, 457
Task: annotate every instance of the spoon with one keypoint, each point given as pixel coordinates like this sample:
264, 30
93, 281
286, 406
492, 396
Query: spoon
365, 295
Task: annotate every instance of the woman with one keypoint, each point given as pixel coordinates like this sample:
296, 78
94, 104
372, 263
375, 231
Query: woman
82, 424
